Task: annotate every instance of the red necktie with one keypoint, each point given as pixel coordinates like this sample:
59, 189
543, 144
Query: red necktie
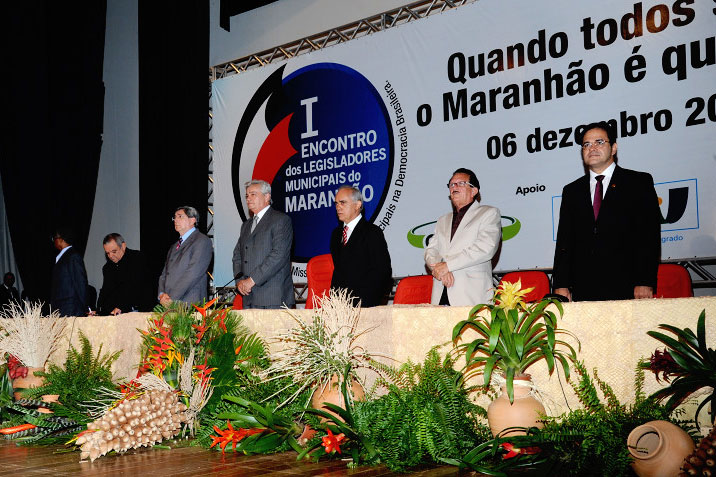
597, 204
345, 235
179, 243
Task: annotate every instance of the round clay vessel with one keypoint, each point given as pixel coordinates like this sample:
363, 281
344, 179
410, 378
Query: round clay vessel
659, 449
30, 381
524, 411
332, 394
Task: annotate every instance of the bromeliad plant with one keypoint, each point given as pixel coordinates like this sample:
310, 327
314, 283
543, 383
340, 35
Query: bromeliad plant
512, 336
687, 360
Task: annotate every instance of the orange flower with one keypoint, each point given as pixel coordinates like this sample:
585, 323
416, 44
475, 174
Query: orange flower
333, 443
202, 309
220, 318
200, 330
231, 435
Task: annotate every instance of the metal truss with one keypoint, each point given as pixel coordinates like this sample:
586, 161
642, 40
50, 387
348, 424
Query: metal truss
210, 191
334, 36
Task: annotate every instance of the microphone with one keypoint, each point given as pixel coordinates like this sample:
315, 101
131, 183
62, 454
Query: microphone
218, 289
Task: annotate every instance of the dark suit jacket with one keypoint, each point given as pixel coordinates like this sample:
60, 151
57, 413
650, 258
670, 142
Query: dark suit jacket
184, 275
265, 256
606, 259
125, 285
363, 265
8, 295
69, 285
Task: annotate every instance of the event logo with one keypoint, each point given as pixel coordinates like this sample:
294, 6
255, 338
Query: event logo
320, 127
510, 228
679, 205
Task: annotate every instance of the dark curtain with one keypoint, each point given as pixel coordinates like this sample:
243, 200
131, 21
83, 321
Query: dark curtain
173, 119
53, 102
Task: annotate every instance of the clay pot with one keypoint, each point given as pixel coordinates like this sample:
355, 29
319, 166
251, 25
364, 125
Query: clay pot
30, 381
332, 394
524, 411
659, 449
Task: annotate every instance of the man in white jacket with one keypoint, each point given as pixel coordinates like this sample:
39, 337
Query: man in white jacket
460, 252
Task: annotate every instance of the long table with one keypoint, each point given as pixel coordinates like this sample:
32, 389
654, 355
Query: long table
612, 335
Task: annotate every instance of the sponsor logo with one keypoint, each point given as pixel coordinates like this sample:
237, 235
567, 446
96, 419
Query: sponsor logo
307, 134
510, 228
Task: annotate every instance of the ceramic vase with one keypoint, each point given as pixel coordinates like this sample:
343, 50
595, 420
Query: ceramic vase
332, 394
29, 381
524, 411
659, 449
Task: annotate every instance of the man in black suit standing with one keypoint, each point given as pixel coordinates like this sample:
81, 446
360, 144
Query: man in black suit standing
360, 254
69, 278
8, 292
124, 286
184, 275
262, 255
609, 235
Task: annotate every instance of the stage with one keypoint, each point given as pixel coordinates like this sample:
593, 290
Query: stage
612, 335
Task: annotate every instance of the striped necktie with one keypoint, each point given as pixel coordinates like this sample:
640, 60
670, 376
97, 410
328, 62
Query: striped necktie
179, 243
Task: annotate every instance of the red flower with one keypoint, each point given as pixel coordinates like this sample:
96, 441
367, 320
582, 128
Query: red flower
204, 372
15, 368
220, 318
513, 451
231, 435
662, 362
333, 443
202, 309
200, 330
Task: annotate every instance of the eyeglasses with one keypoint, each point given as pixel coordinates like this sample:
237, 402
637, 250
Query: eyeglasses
459, 184
597, 142
179, 217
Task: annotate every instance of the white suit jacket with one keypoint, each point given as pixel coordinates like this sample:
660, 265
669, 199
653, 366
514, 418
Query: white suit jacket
468, 255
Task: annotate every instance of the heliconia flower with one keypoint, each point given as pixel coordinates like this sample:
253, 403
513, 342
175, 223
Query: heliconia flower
662, 362
231, 435
202, 309
513, 451
510, 295
220, 318
200, 330
333, 443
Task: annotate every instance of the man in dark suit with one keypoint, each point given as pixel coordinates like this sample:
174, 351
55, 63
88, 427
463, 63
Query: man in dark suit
184, 275
124, 286
262, 256
69, 278
609, 238
8, 292
360, 254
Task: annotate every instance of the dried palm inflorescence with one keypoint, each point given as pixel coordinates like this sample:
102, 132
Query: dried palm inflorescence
316, 350
141, 420
30, 337
703, 460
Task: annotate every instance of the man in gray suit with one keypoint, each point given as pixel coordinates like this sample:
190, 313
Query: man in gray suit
262, 256
184, 275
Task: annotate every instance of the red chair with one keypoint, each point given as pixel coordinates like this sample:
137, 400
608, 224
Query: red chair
530, 278
673, 281
238, 302
414, 290
319, 272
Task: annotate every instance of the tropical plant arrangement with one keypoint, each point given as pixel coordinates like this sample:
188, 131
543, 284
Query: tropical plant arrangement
211, 345
317, 351
512, 336
583, 442
687, 364
28, 336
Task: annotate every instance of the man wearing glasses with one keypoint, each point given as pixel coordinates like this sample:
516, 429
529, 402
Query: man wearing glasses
460, 252
184, 275
609, 235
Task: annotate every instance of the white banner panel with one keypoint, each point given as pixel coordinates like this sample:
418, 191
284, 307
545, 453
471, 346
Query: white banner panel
498, 87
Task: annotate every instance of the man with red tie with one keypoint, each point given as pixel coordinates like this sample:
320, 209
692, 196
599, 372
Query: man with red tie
360, 254
609, 235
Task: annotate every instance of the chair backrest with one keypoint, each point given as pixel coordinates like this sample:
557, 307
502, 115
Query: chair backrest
530, 278
673, 281
414, 290
238, 302
319, 272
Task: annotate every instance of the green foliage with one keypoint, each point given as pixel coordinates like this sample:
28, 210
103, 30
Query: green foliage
512, 338
693, 365
426, 416
82, 375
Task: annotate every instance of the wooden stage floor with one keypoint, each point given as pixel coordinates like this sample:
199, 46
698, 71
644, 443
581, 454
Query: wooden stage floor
181, 461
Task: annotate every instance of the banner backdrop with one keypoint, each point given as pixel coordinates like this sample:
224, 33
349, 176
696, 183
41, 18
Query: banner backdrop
498, 87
